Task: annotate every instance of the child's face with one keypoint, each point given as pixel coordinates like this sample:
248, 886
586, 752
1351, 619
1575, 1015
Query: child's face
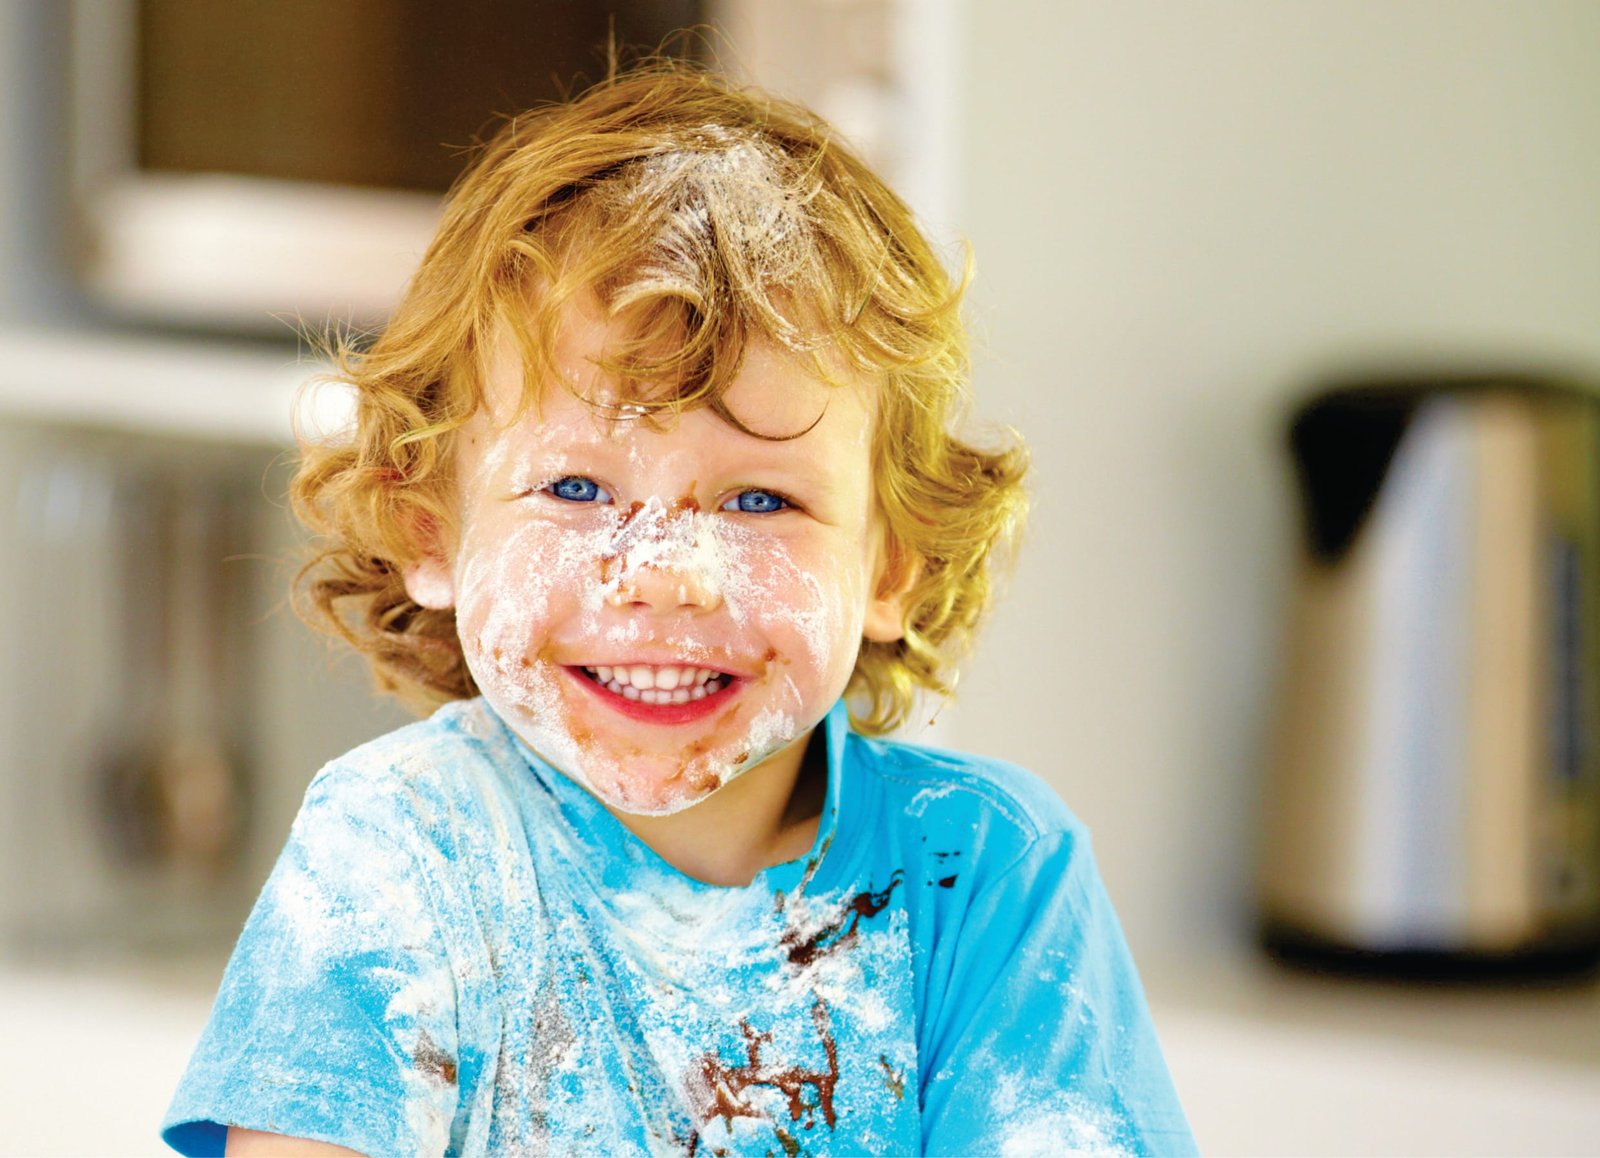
598, 556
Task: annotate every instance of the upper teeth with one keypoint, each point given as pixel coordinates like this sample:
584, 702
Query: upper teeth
664, 684
644, 676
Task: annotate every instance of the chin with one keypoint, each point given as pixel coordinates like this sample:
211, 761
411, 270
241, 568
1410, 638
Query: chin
667, 805
642, 796
641, 767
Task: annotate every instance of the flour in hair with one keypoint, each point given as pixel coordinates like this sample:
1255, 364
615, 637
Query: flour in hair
733, 205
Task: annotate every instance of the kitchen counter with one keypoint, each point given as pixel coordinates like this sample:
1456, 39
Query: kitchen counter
1273, 1061
1267, 1062
96, 1052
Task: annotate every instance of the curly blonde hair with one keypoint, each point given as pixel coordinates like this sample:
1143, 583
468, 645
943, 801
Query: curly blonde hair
707, 216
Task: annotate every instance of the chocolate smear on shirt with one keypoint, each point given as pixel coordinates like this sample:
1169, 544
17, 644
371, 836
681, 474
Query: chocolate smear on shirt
428, 1058
893, 1078
719, 1090
835, 934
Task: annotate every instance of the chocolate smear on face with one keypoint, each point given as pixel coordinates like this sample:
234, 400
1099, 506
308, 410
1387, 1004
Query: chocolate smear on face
624, 537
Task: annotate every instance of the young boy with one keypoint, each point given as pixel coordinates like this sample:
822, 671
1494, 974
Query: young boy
653, 469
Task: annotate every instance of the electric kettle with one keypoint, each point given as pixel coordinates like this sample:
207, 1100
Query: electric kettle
1433, 793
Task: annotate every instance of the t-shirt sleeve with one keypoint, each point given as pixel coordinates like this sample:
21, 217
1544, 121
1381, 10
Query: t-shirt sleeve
336, 1018
1043, 1043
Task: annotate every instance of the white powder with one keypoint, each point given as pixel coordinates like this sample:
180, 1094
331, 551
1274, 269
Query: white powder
918, 804
692, 946
731, 203
1081, 1129
683, 542
509, 599
323, 926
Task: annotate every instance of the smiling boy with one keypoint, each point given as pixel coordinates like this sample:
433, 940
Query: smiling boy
653, 472
737, 574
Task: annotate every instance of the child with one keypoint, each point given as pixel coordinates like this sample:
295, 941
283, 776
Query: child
651, 469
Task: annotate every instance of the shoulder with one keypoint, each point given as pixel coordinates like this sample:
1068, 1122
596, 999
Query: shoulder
402, 831
963, 800
459, 742
436, 784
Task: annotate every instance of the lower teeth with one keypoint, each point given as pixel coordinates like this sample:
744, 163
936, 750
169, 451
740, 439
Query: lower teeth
660, 696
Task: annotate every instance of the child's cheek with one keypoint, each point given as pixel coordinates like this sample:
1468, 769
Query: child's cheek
801, 597
513, 583
517, 585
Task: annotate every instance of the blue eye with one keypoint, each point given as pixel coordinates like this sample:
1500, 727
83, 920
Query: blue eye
576, 489
754, 502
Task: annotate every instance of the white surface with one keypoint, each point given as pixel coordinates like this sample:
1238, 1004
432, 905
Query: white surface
1273, 1090
93, 1059
151, 384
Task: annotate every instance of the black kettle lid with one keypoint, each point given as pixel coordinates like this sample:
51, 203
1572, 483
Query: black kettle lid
1343, 439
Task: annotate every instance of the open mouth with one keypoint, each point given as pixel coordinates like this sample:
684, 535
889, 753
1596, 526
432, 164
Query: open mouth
659, 685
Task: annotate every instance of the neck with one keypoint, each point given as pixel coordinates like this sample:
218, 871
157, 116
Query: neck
764, 817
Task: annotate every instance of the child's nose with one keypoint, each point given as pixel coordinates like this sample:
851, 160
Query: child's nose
665, 588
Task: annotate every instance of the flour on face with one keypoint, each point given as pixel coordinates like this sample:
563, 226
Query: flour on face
641, 626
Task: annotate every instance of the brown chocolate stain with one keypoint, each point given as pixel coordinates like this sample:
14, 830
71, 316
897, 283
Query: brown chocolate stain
429, 1059
813, 863
705, 780
719, 1090
834, 935
698, 748
620, 542
581, 736
894, 1079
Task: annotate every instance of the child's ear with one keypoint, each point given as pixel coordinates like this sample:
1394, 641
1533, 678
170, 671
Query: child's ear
431, 580
431, 583
898, 572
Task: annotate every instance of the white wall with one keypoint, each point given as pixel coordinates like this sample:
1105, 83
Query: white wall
1183, 213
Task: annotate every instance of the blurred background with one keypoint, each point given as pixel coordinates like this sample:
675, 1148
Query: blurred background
1189, 219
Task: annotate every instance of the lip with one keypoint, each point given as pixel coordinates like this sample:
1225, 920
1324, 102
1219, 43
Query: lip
664, 714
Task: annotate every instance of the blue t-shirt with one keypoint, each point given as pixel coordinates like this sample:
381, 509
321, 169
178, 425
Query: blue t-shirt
460, 951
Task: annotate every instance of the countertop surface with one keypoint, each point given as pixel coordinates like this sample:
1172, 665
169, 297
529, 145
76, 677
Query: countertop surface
1553, 1023
1267, 1062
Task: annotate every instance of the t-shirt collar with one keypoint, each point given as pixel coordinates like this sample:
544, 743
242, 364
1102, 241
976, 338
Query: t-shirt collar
619, 854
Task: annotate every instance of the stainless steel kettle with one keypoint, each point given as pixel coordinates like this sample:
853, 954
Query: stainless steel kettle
1433, 798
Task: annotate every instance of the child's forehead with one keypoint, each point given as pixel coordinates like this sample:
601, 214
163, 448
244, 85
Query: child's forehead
776, 393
